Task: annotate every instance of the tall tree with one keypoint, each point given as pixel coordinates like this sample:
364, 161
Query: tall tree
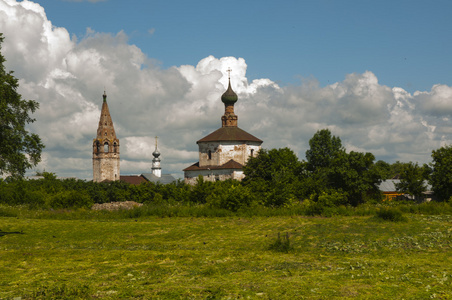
441, 176
19, 149
274, 175
412, 177
324, 147
332, 168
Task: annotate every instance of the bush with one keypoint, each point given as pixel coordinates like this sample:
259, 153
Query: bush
391, 214
70, 199
231, 196
327, 204
281, 244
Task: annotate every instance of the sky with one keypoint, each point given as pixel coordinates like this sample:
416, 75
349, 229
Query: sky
376, 73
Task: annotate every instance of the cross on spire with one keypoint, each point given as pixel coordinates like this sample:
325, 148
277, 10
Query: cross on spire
229, 70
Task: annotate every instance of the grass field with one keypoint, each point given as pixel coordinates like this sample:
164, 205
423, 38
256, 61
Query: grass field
230, 257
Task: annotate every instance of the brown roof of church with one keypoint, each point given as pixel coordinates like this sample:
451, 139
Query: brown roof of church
229, 134
132, 179
232, 164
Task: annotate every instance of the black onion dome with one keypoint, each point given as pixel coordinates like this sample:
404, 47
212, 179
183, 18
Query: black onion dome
229, 97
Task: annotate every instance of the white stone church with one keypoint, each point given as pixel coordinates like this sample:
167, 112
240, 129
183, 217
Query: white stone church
224, 152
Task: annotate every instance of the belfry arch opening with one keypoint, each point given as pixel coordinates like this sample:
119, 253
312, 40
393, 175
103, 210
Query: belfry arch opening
106, 148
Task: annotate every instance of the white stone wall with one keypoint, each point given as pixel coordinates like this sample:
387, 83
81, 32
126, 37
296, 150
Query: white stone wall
222, 152
191, 177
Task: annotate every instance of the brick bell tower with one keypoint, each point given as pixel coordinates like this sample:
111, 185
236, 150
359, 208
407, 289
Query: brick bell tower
105, 148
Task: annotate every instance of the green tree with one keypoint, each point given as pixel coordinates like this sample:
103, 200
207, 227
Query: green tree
274, 176
19, 149
395, 169
355, 174
412, 179
441, 176
384, 169
331, 168
324, 147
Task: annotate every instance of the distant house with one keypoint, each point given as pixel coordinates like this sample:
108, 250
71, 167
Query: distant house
389, 190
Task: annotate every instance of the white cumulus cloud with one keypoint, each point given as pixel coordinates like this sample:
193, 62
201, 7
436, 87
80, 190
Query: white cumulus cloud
182, 104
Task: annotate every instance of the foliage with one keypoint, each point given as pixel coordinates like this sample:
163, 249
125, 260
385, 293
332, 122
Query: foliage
19, 149
412, 179
274, 176
201, 190
391, 214
281, 244
326, 203
324, 148
441, 176
353, 174
230, 195
384, 169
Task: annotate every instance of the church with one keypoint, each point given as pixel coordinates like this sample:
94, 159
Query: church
105, 148
224, 152
106, 155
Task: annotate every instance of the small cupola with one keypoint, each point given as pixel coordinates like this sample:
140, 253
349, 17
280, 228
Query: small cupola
229, 97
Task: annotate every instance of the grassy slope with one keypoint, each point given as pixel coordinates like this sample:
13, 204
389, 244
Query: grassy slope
146, 258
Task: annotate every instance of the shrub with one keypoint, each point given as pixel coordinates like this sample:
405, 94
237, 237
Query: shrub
230, 196
71, 199
326, 204
390, 214
281, 244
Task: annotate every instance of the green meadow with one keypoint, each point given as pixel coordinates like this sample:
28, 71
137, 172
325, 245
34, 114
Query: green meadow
226, 257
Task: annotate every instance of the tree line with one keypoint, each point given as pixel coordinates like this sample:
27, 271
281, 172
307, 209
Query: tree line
329, 177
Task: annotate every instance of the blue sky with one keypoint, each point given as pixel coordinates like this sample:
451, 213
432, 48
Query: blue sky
405, 43
376, 73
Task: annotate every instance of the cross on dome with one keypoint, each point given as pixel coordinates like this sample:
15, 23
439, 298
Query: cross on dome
229, 70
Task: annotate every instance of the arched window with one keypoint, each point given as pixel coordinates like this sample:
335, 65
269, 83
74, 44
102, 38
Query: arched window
210, 154
252, 152
115, 147
106, 147
97, 145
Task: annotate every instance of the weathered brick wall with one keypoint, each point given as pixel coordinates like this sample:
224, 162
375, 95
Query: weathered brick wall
223, 152
106, 167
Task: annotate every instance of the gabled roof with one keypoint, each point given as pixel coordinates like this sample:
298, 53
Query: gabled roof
132, 179
229, 134
232, 164
165, 179
389, 185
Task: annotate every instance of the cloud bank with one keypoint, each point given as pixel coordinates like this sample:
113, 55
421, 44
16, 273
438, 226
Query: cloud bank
182, 104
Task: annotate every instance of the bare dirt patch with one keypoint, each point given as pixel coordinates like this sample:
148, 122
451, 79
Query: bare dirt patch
116, 205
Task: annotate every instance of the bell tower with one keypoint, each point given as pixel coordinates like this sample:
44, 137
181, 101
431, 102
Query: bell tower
156, 169
105, 148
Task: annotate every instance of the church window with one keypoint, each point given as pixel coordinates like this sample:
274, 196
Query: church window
210, 154
106, 147
252, 152
115, 147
